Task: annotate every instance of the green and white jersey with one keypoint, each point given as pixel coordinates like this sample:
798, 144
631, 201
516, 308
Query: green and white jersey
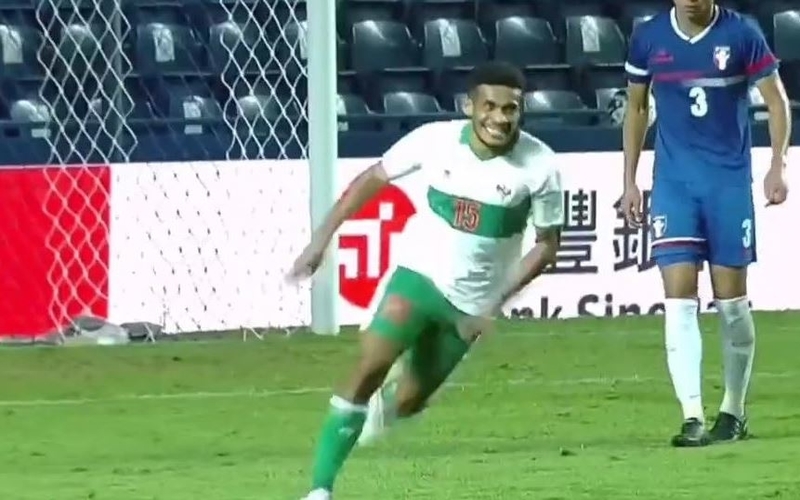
471, 213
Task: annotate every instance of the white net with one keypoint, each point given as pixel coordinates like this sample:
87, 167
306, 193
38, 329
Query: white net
147, 213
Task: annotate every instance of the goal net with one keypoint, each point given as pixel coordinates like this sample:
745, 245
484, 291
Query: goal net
152, 192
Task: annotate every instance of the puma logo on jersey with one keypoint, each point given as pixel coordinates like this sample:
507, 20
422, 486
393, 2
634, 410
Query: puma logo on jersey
504, 191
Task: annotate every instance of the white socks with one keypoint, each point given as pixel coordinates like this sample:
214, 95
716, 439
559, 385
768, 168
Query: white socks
738, 336
684, 354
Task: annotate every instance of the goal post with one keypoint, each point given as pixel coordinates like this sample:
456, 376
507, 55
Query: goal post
323, 152
172, 146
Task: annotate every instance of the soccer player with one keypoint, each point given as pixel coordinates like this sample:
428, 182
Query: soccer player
482, 182
701, 61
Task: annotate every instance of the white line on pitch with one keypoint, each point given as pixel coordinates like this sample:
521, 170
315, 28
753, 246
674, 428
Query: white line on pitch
635, 379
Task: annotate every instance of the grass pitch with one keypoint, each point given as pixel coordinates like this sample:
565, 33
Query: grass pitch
566, 410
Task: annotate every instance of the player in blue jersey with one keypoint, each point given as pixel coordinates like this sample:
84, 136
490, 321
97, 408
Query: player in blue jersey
700, 61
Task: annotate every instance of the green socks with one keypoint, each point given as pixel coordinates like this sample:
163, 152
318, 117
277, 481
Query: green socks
339, 434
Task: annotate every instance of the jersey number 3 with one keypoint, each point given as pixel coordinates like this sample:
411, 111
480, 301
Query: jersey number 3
699, 106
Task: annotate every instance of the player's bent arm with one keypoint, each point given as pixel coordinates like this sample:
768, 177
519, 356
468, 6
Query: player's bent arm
780, 123
634, 128
532, 264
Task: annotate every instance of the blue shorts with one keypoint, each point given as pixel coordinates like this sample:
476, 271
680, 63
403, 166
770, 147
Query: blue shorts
691, 223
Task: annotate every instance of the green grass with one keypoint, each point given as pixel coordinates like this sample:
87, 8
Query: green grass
543, 410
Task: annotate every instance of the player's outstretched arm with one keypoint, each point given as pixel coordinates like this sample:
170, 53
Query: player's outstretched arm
365, 186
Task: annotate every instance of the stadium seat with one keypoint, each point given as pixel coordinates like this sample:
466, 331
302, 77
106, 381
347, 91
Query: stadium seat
634, 12
410, 103
556, 100
290, 49
453, 43
605, 98
236, 48
265, 114
594, 40
31, 110
422, 11
20, 46
194, 107
166, 48
787, 35
491, 11
353, 107
549, 78
355, 11
378, 45
526, 41
756, 99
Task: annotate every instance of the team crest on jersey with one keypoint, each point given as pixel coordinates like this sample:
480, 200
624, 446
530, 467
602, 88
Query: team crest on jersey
722, 55
658, 226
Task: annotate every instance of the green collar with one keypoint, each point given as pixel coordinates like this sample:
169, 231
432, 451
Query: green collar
480, 151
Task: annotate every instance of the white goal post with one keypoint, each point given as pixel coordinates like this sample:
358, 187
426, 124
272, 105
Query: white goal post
177, 133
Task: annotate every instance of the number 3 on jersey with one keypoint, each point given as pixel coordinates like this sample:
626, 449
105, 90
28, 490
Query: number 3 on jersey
699, 106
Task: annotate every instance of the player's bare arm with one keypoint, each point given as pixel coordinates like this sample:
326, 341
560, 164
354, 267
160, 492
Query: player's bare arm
634, 130
363, 188
533, 263
780, 129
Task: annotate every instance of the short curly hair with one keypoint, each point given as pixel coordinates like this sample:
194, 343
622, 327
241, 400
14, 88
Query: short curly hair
496, 73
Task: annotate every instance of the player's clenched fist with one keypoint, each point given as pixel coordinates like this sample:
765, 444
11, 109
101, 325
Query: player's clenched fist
775, 188
631, 205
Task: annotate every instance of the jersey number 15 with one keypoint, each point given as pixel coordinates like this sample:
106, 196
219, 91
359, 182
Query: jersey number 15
699, 106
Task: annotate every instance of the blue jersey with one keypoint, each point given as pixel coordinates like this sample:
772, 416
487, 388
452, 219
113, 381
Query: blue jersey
701, 89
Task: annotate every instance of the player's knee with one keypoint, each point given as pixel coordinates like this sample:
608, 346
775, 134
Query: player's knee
729, 283
736, 321
679, 275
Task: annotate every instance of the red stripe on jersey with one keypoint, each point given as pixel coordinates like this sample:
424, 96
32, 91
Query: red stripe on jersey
761, 64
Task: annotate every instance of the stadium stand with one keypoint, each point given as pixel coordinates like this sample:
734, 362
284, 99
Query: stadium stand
400, 61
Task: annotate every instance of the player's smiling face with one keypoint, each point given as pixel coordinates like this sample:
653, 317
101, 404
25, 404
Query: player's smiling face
495, 111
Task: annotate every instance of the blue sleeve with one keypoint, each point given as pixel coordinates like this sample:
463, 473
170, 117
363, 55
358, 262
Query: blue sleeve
638, 54
759, 59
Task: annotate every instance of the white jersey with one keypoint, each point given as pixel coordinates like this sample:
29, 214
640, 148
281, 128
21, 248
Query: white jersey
471, 214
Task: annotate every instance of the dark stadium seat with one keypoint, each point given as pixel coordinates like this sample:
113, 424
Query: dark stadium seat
453, 43
787, 35
236, 48
605, 98
382, 44
549, 78
526, 41
290, 50
353, 106
634, 12
491, 11
354, 11
410, 103
19, 44
556, 100
30, 110
422, 11
265, 114
594, 40
194, 107
167, 48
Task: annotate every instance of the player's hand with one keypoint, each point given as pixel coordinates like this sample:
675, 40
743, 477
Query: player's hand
775, 188
630, 205
308, 262
471, 328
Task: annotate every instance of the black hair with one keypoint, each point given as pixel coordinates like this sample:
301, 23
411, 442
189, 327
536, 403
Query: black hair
496, 73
